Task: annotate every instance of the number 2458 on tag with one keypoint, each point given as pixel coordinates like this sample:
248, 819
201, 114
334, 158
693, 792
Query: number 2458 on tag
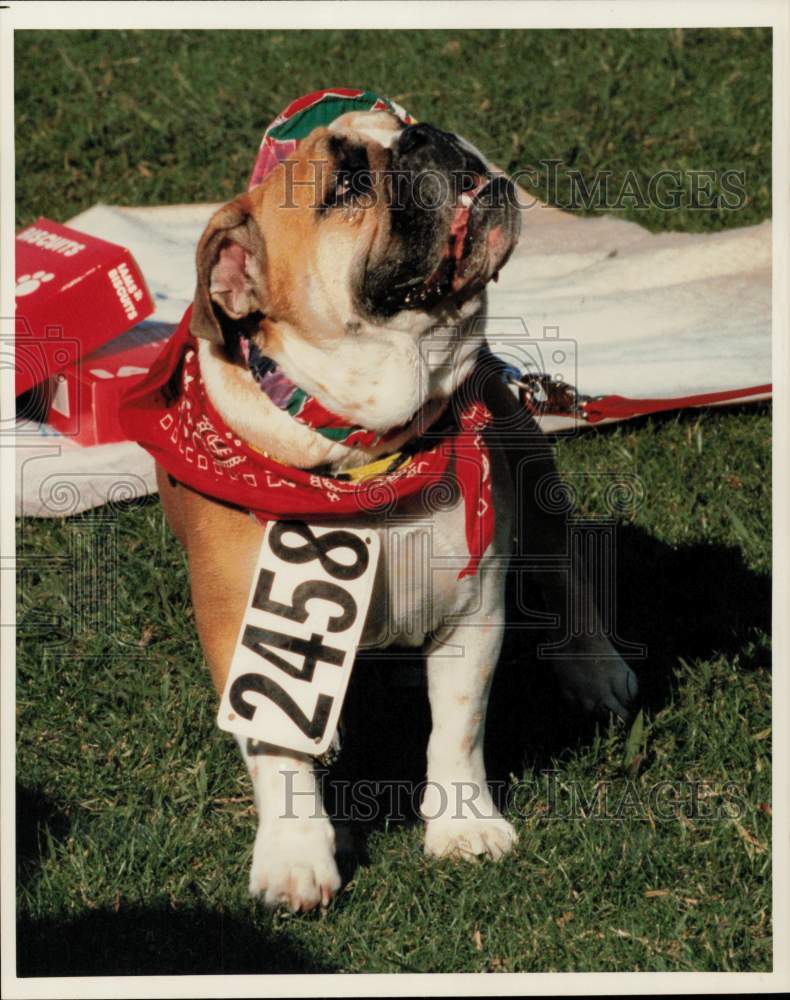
304, 617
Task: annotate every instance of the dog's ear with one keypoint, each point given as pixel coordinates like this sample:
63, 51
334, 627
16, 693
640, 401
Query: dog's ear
230, 259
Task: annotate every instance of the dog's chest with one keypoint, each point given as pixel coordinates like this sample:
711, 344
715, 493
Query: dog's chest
414, 590
423, 550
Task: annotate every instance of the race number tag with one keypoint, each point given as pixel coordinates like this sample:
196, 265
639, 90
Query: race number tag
304, 618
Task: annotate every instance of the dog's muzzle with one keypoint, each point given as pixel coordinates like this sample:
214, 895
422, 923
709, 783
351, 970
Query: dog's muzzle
453, 225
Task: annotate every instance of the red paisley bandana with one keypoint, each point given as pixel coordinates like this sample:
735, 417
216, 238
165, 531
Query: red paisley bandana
170, 415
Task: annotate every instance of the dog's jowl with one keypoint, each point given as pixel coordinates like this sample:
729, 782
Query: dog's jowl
333, 373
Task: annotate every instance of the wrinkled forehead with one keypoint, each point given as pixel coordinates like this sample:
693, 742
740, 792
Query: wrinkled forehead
382, 127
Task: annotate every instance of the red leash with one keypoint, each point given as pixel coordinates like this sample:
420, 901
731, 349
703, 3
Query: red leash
544, 396
621, 407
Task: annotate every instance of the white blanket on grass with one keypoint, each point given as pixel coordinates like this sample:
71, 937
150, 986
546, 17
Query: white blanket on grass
598, 301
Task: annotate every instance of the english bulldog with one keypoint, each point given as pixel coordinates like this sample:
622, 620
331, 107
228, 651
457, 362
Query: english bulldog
353, 276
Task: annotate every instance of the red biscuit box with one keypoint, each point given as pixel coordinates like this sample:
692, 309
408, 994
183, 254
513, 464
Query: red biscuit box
85, 398
74, 292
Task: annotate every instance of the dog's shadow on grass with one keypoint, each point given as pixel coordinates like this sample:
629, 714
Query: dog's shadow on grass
36, 817
148, 941
687, 602
140, 940
135, 940
694, 601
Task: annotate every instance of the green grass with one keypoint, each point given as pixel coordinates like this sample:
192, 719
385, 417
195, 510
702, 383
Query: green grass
135, 818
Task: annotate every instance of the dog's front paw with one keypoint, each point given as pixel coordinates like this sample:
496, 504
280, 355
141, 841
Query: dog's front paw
293, 865
469, 837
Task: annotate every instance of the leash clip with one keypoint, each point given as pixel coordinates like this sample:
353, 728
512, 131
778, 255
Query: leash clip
542, 395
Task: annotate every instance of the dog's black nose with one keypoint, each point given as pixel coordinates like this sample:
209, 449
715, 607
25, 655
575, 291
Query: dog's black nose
424, 146
414, 136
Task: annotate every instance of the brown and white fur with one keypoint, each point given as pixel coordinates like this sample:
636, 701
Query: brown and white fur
311, 286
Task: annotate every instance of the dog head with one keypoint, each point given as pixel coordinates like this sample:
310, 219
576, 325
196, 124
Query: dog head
368, 236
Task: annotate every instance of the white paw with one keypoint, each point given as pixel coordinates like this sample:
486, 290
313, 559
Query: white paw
469, 837
27, 283
293, 865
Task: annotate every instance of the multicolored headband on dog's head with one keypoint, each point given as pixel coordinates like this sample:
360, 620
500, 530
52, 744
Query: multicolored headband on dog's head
306, 113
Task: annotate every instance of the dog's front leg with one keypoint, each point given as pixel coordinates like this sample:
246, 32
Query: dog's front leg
293, 861
460, 815
293, 858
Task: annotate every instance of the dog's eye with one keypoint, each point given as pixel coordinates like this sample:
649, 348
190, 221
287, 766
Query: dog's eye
346, 185
351, 180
